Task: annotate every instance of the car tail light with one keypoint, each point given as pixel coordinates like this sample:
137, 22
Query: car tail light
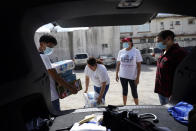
153, 55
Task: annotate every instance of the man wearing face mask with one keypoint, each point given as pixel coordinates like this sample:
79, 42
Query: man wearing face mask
47, 42
167, 63
128, 69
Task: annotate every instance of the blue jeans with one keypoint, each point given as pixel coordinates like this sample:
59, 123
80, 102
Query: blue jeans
98, 89
163, 100
56, 104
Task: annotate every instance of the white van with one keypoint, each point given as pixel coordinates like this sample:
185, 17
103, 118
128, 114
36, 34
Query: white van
80, 59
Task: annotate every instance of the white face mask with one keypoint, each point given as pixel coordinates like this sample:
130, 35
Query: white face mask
161, 46
48, 51
125, 45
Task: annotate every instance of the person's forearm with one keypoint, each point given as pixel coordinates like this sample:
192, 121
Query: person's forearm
102, 89
138, 70
87, 83
117, 67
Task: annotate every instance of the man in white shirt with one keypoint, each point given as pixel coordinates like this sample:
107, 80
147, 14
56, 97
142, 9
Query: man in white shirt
97, 72
47, 42
128, 69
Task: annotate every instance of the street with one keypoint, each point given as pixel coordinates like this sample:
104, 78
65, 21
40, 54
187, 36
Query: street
114, 95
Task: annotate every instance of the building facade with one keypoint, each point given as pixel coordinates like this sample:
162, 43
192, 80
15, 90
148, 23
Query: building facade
145, 35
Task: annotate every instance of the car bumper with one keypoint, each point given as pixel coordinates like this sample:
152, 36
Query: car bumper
109, 63
80, 64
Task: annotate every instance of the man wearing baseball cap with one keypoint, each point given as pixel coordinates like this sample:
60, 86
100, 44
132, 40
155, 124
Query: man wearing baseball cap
128, 69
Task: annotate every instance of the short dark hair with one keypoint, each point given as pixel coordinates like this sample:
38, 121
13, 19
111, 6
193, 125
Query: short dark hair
92, 61
47, 38
166, 33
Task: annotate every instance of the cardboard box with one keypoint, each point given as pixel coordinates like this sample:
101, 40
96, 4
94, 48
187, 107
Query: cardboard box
68, 78
64, 92
66, 73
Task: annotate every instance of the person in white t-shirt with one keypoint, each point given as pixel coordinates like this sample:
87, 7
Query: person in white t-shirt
47, 42
97, 72
128, 69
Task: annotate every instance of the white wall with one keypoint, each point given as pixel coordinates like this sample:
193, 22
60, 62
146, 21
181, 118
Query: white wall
79, 42
90, 41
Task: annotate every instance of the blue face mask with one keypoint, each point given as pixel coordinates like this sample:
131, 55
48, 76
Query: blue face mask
161, 46
125, 45
48, 51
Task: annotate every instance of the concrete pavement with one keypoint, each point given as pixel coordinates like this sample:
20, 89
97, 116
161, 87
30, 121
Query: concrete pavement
114, 96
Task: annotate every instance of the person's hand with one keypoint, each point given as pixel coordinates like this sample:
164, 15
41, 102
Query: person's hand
117, 78
136, 81
74, 90
85, 91
99, 100
170, 98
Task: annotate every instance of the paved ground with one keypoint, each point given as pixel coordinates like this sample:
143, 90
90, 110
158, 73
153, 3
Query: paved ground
114, 95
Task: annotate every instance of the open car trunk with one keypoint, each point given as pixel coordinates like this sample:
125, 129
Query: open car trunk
24, 93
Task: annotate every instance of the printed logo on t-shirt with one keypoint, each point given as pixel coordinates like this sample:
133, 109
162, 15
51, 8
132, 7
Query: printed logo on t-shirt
127, 59
96, 77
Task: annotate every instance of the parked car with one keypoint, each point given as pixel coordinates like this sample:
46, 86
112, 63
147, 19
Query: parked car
108, 60
150, 55
189, 48
80, 59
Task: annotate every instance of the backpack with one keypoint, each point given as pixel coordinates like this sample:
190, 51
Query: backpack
117, 120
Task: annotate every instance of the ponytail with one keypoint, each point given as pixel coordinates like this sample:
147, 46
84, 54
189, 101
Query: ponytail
99, 61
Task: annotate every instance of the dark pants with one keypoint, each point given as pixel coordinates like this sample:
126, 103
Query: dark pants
163, 100
124, 83
98, 89
56, 104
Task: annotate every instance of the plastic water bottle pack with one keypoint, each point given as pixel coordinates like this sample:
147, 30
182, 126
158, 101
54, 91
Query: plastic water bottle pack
91, 100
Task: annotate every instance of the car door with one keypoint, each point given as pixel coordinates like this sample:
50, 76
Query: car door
143, 53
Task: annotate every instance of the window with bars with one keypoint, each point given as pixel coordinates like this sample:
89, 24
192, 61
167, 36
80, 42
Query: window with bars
104, 45
142, 40
162, 25
171, 25
177, 22
191, 21
186, 39
150, 40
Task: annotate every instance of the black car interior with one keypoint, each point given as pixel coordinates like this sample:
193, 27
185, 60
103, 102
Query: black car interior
24, 82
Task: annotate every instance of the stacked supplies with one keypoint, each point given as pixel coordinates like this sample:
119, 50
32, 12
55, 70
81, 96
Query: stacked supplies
65, 70
64, 92
63, 66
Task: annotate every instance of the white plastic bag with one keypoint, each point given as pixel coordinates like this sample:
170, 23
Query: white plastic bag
87, 127
91, 100
89, 123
